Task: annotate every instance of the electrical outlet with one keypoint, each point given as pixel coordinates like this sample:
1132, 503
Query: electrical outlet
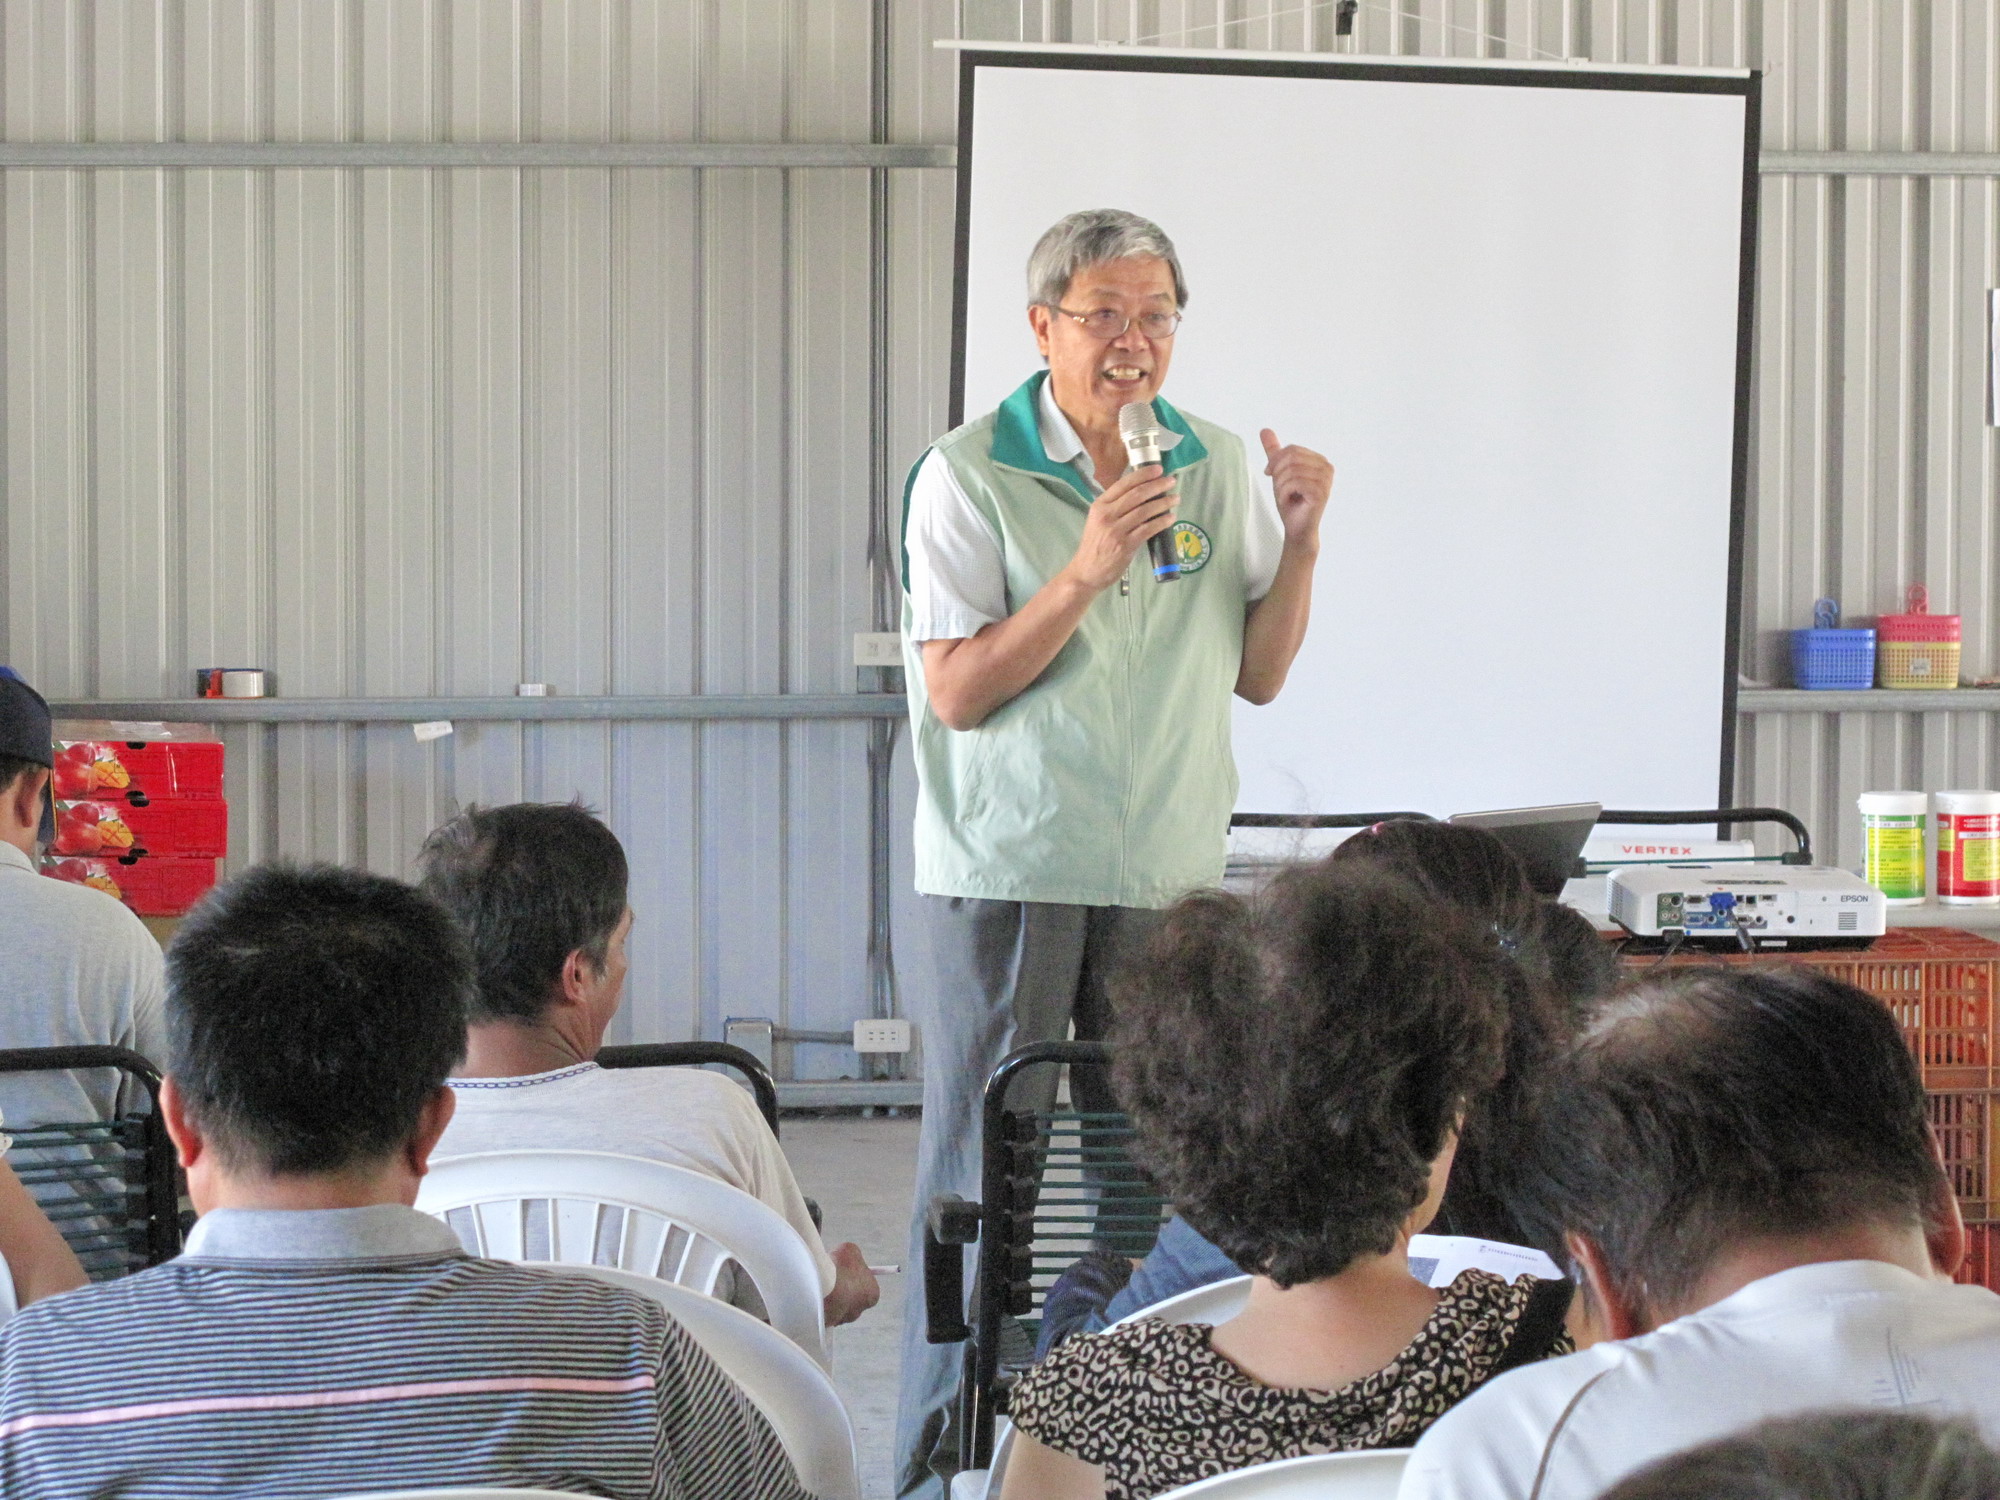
881, 1036
878, 649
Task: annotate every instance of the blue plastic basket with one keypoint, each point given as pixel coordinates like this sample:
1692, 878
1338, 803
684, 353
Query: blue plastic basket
1827, 657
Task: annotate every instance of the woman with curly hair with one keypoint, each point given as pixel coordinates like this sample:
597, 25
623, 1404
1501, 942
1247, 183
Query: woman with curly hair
1296, 1065
1567, 966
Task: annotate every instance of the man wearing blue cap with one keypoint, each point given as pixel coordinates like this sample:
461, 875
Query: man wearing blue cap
76, 967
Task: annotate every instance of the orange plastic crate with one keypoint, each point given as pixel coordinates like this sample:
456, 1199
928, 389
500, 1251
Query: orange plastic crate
1939, 983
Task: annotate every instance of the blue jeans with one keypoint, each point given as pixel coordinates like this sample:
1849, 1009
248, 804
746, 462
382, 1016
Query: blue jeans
1180, 1262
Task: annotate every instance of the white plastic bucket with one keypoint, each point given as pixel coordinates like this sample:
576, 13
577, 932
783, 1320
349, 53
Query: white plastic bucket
1968, 848
1892, 844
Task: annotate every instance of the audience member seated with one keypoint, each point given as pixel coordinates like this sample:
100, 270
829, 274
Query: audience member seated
539, 889
1739, 1162
1295, 1065
1569, 967
320, 1336
76, 967
1834, 1455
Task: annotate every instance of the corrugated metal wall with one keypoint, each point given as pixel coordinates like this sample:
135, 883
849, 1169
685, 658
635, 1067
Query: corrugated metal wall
434, 432
422, 432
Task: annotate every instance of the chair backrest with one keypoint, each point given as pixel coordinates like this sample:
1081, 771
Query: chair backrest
1217, 1302
110, 1187
585, 1208
1373, 1475
784, 1383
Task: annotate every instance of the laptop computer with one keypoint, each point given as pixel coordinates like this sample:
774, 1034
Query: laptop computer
1547, 840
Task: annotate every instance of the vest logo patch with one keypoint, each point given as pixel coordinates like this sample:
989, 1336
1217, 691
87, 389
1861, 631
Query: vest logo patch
1191, 546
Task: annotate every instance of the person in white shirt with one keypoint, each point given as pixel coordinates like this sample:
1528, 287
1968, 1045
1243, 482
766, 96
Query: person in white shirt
1741, 1166
539, 889
77, 969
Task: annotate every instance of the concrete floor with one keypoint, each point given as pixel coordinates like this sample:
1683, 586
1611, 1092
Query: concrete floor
863, 1172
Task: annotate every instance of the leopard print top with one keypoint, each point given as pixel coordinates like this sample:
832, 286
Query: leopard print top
1158, 1408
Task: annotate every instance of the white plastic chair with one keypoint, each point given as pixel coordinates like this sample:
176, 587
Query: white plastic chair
583, 1208
782, 1381
1372, 1475
10, 1302
1217, 1302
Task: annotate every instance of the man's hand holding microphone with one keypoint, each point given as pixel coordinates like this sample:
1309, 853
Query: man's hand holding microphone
1135, 507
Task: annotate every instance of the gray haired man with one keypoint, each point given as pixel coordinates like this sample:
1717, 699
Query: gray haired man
1070, 717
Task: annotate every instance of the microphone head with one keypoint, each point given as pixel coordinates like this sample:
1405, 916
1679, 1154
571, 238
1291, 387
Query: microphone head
1136, 420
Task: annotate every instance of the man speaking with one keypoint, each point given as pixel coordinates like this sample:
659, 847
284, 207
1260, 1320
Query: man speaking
1069, 688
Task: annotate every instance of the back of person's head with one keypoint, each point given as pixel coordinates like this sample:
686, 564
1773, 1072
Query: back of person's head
1829, 1455
1582, 968
311, 1015
1710, 1106
26, 746
1294, 1061
1474, 874
530, 884
1467, 869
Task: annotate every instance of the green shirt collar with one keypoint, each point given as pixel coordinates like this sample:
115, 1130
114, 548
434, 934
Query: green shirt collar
1017, 437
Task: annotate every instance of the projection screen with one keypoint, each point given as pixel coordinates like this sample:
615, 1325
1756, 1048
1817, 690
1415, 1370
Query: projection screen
1512, 304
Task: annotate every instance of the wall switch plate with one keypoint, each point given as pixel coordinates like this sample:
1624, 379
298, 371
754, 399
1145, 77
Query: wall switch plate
881, 1036
878, 648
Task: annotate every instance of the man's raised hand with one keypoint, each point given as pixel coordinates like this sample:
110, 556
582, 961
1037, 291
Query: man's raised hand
1301, 479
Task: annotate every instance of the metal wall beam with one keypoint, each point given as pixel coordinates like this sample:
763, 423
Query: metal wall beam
146, 155
487, 710
242, 155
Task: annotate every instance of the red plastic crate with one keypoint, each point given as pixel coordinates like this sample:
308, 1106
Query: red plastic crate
1940, 983
1982, 1257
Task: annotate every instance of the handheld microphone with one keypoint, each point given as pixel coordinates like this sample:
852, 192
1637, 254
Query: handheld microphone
1144, 442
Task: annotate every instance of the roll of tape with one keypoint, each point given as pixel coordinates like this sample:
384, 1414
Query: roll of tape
232, 682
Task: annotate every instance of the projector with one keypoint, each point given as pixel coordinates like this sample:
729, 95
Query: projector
1747, 906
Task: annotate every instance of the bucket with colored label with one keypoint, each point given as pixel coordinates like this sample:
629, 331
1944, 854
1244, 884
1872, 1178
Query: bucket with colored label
1892, 844
1968, 848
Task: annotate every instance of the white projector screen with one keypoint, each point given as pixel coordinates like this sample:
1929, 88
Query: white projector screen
1511, 304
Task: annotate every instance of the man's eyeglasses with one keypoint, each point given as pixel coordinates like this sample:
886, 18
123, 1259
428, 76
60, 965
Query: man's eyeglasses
1108, 323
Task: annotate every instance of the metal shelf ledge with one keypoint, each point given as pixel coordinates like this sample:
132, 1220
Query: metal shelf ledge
1867, 700
620, 709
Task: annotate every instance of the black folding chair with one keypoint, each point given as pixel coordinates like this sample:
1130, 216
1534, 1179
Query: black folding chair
697, 1055
1054, 1182
111, 1187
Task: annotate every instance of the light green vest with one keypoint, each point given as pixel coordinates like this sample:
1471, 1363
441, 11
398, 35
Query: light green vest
1110, 781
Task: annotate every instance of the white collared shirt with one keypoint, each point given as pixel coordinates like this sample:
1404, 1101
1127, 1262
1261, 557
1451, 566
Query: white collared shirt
958, 577
1854, 1333
77, 969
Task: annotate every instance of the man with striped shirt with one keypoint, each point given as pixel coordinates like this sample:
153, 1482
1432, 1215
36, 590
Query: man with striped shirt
320, 1336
